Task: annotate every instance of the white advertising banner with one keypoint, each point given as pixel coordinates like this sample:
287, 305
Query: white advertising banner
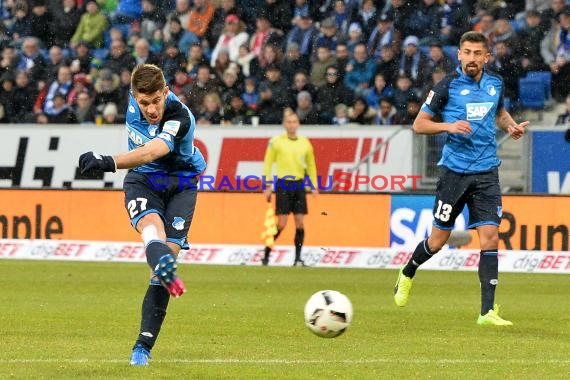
320, 257
47, 156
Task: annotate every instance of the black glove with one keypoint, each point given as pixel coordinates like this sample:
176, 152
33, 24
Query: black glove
90, 161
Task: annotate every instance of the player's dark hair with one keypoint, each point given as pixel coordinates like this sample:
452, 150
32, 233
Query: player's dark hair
476, 37
147, 79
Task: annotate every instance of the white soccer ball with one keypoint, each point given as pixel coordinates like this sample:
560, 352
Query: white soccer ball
328, 313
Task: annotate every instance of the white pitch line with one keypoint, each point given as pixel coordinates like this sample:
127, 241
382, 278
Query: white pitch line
291, 361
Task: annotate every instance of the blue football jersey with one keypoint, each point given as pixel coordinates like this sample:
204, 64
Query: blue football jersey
176, 129
459, 97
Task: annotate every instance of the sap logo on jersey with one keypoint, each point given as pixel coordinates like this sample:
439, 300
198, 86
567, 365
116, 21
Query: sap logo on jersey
477, 111
134, 137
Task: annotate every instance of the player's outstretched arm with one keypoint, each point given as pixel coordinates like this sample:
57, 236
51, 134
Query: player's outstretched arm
424, 125
508, 124
151, 151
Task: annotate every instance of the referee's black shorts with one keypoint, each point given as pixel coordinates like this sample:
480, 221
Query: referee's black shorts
290, 197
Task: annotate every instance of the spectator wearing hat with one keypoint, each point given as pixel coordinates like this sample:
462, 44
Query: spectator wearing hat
218, 23
413, 63
332, 93
327, 37
200, 16
111, 115
232, 37
555, 50
230, 83
367, 17
91, 27
303, 34
180, 36
106, 88
383, 34
360, 71
305, 109
294, 62
355, 36
81, 83
318, 70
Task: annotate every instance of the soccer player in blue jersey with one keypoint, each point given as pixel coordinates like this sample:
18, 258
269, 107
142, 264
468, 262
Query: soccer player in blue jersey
160, 189
470, 105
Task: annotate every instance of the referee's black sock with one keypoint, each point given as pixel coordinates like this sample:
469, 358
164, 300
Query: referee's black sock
488, 277
154, 251
268, 249
299, 239
153, 312
420, 256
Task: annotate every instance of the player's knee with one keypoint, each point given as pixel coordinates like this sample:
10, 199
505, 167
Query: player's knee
490, 242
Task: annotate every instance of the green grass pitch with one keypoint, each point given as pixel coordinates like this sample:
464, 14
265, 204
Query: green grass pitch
70, 320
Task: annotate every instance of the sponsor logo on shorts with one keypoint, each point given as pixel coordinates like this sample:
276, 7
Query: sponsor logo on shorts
178, 223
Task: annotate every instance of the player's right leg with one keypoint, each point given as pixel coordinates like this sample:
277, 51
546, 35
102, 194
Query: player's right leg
449, 202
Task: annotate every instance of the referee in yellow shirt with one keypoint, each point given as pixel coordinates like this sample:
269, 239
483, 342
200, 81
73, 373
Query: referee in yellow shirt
294, 159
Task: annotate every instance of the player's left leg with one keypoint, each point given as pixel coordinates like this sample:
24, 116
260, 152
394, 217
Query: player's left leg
299, 238
485, 211
300, 209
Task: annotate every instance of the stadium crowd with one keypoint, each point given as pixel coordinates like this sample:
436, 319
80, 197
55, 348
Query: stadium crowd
332, 61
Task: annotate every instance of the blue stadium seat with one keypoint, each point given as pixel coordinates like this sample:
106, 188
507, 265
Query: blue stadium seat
100, 53
546, 78
532, 95
451, 51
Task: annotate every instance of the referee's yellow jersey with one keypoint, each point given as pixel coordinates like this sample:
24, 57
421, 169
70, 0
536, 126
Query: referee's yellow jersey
294, 158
